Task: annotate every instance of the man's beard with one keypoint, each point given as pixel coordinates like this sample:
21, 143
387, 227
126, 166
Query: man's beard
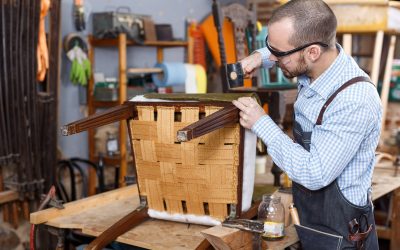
301, 68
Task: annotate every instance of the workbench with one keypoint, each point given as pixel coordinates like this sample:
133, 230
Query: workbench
95, 214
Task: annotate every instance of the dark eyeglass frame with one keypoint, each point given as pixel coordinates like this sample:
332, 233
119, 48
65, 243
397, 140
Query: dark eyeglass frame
286, 53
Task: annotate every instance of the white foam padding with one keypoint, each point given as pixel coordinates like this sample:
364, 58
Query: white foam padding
185, 218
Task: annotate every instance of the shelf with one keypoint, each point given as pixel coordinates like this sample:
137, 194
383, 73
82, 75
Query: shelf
144, 70
114, 43
120, 44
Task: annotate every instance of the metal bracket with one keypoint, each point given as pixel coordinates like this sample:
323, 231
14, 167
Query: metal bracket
143, 201
232, 214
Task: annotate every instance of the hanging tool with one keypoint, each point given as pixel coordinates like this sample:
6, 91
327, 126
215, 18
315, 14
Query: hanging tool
42, 50
79, 15
221, 44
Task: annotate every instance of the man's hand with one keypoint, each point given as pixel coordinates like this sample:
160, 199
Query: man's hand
251, 63
250, 111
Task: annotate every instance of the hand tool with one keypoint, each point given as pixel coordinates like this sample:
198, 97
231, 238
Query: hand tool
221, 44
294, 214
245, 225
235, 75
359, 230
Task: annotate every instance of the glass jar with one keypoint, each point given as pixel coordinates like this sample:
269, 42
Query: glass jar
272, 213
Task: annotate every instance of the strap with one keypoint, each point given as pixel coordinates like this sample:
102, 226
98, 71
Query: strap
345, 85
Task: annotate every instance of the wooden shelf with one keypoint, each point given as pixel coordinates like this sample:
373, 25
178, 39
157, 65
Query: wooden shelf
114, 42
144, 70
121, 44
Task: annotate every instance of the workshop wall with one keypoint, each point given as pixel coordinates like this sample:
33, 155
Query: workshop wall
174, 12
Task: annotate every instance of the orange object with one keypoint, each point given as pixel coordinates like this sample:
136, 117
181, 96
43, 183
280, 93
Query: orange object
42, 50
199, 51
211, 37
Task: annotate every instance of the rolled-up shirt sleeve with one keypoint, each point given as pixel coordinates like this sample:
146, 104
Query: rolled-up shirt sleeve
265, 53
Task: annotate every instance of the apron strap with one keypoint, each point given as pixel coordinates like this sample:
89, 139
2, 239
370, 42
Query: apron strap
345, 85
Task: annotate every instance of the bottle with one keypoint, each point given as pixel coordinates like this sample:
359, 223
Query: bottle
272, 213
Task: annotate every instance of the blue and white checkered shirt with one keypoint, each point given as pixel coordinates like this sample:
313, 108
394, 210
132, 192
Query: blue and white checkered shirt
343, 147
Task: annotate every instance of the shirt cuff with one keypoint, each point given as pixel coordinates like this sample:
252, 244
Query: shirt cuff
266, 129
265, 53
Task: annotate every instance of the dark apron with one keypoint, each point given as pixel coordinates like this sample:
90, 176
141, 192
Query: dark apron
327, 219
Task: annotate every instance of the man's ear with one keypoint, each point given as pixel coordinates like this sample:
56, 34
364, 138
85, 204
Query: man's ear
314, 53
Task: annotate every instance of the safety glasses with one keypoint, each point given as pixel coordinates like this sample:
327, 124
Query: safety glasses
286, 53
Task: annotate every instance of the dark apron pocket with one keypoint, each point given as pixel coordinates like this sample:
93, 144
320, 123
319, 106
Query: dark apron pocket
313, 239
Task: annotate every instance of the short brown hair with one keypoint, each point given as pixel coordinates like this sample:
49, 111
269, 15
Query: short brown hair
313, 21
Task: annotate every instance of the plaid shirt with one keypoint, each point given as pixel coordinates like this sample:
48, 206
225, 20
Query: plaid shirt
343, 147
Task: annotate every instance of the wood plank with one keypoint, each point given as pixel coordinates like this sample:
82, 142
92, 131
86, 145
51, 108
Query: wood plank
386, 79
80, 206
123, 170
144, 70
347, 43
376, 59
230, 238
225, 238
384, 181
7, 196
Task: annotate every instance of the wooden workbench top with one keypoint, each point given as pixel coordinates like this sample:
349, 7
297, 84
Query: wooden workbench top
384, 180
95, 214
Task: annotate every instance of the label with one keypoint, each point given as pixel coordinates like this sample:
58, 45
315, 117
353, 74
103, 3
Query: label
273, 229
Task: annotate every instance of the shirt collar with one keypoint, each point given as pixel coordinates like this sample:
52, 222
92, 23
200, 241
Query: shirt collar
327, 81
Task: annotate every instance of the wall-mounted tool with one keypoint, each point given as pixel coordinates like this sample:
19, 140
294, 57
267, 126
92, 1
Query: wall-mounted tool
242, 20
221, 44
79, 15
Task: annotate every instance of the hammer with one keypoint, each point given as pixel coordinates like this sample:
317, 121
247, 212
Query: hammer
232, 74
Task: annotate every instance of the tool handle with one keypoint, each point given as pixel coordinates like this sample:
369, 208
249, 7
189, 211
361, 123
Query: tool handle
294, 214
218, 21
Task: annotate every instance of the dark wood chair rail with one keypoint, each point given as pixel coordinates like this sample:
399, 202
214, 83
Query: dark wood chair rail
114, 114
219, 119
120, 227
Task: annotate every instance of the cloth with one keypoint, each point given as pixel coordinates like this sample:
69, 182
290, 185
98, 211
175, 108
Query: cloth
343, 147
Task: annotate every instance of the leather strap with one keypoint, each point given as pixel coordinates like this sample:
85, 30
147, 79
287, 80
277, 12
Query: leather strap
345, 85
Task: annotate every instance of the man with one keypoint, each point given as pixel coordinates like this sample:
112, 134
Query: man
336, 128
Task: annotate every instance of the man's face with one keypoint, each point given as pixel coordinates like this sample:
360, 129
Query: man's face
292, 65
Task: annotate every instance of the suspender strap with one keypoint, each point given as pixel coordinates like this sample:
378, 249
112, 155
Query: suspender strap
345, 85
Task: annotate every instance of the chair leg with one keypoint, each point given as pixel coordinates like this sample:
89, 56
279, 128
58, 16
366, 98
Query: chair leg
120, 227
